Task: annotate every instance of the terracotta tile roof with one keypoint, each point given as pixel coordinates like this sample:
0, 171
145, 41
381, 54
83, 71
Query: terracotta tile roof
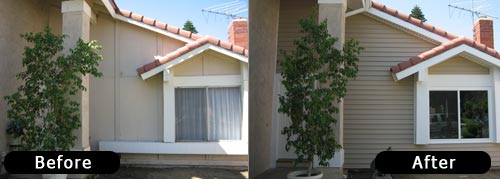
198, 40
454, 40
190, 46
161, 25
414, 21
443, 48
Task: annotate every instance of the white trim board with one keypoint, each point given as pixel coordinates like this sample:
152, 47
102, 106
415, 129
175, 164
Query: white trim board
111, 11
189, 55
445, 56
202, 148
213, 81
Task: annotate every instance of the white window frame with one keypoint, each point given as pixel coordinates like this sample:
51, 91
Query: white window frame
206, 91
170, 82
424, 83
490, 116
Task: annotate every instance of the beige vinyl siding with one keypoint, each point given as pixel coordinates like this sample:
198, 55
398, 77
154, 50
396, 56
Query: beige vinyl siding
288, 30
379, 112
458, 65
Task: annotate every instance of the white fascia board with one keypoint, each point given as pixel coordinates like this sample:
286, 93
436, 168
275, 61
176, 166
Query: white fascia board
111, 11
109, 7
177, 60
200, 148
407, 25
189, 55
354, 12
445, 56
154, 29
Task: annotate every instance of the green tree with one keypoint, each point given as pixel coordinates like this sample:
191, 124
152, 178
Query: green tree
190, 27
42, 105
416, 12
315, 75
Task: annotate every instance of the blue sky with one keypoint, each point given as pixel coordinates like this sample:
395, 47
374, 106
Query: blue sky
452, 20
177, 12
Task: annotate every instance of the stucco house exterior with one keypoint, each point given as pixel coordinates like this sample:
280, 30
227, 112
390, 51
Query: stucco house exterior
167, 96
415, 87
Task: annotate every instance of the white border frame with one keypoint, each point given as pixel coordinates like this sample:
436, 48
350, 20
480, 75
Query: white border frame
424, 83
491, 131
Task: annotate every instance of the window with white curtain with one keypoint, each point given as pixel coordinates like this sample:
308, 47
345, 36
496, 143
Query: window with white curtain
208, 114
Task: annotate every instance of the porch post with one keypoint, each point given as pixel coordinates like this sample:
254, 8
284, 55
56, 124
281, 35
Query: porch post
263, 40
334, 12
76, 24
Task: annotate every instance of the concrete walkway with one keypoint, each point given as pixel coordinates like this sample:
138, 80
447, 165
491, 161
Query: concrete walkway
492, 174
177, 173
280, 173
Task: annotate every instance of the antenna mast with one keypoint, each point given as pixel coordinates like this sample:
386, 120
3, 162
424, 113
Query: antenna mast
229, 9
474, 10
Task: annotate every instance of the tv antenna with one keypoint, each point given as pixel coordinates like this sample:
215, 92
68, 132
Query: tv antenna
232, 9
475, 7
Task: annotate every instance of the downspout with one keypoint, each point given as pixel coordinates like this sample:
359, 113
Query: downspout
366, 5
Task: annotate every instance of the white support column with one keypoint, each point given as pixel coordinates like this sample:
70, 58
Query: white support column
495, 72
421, 127
335, 13
168, 106
76, 24
244, 90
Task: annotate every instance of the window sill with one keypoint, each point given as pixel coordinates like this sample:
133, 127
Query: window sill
459, 141
207, 148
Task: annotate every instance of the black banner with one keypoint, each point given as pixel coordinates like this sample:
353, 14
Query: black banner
62, 162
433, 162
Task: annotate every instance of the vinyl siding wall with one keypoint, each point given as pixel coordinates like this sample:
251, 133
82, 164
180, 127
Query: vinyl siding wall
458, 65
290, 14
379, 112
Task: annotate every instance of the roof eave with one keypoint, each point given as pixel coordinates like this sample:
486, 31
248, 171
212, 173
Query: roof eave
148, 74
113, 9
463, 48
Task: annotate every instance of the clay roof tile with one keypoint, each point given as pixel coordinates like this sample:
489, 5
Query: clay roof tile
395, 69
226, 45
148, 21
185, 33
136, 17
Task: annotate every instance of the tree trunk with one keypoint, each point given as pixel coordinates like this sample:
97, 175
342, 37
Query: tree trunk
309, 168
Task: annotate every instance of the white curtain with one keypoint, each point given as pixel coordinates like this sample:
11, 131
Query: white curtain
190, 114
208, 114
224, 113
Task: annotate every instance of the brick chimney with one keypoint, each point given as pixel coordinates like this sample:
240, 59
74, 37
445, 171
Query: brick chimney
238, 32
483, 31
